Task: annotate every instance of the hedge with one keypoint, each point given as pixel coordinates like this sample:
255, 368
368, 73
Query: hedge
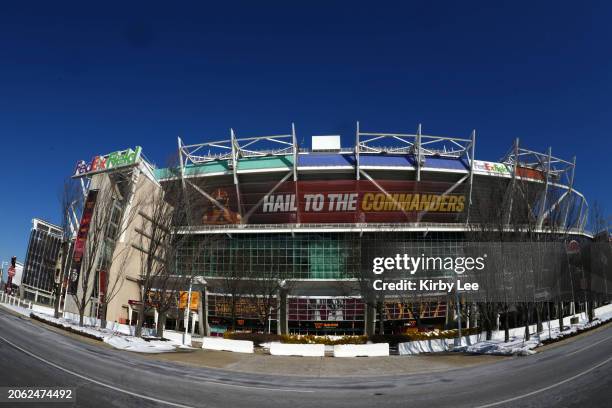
392, 339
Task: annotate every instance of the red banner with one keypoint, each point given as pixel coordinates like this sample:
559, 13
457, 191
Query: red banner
79, 244
339, 201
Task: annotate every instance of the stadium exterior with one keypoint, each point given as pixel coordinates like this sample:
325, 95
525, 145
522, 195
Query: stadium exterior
270, 219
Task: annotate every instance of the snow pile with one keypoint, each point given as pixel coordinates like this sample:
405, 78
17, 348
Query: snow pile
422, 346
515, 347
73, 326
518, 346
117, 340
17, 309
140, 345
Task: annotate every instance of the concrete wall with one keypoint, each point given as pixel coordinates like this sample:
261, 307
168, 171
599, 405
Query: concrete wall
126, 267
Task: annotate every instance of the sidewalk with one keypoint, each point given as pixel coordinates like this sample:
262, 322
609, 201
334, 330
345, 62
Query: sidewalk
260, 363
341, 367
325, 366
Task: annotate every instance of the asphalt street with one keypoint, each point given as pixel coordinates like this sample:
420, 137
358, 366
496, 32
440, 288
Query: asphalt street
575, 374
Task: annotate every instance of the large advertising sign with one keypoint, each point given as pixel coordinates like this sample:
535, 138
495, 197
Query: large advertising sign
81, 239
502, 170
98, 164
491, 168
184, 296
338, 201
526, 172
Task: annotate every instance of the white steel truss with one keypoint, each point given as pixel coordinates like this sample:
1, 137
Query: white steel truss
235, 148
420, 147
555, 171
232, 151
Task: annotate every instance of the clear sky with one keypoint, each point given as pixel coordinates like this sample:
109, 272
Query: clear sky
78, 79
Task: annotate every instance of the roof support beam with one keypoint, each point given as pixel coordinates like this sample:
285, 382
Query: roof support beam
541, 213
207, 196
511, 188
378, 186
447, 192
235, 153
295, 152
471, 162
295, 172
571, 186
261, 200
417, 153
357, 169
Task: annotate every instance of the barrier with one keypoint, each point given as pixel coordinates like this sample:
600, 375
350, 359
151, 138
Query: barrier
178, 337
302, 350
362, 350
422, 346
221, 344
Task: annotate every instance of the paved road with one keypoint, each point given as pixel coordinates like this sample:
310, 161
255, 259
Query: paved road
576, 374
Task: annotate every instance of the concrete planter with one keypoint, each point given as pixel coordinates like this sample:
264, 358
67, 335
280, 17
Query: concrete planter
362, 350
219, 343
302, 350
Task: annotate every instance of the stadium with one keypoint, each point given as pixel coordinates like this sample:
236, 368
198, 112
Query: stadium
281, 233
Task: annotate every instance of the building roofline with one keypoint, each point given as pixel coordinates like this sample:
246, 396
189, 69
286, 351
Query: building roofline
36, 221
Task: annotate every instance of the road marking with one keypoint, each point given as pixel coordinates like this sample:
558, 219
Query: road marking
588, 347
493, 404
135, 394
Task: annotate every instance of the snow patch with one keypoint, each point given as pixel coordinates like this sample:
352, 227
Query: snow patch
139, 345
115, 339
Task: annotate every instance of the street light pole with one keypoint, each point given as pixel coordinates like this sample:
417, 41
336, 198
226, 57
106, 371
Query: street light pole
187, 312
458, 315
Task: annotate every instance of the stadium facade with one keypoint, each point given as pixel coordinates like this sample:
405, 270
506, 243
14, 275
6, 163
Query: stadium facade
267, 218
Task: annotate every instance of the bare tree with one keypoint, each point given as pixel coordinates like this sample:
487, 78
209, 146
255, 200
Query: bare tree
232, 283
156, 245
601, 251
264, 288
179, 269
101, 225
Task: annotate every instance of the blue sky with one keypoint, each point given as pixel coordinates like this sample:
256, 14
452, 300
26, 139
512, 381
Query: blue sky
79, 79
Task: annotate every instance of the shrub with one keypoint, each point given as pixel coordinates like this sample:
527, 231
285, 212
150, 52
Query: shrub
394, 339
256, 338
311, 339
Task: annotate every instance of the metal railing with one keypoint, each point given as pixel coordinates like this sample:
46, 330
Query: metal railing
364, 227
15, 301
